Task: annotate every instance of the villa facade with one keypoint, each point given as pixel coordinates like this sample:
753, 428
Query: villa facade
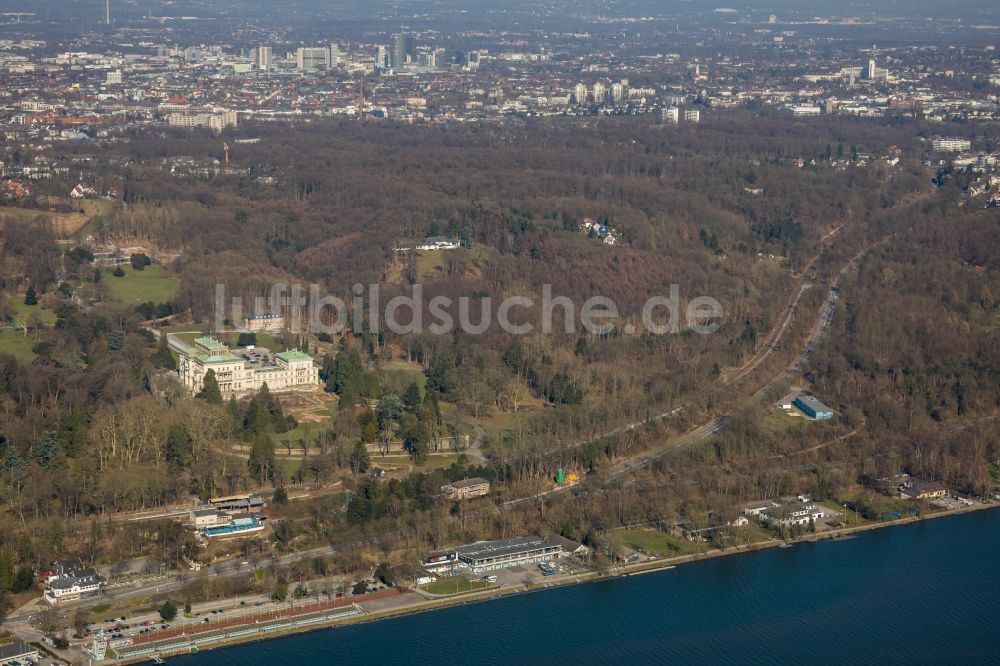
238, 376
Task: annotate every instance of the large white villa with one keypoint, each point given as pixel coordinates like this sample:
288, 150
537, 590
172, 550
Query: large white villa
291, 370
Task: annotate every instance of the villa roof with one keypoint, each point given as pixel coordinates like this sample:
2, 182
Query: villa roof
293, 355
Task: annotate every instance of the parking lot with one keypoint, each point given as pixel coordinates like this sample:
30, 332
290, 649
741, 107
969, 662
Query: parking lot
257, 357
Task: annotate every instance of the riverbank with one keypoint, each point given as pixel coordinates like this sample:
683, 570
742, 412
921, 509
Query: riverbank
411, 603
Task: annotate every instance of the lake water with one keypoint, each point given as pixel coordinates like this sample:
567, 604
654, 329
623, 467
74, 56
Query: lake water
926, 593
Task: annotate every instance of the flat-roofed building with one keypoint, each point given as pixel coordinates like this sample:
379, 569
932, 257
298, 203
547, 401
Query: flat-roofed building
466, 488
505, 553
207, 517
813, 408
18, 652
950, 145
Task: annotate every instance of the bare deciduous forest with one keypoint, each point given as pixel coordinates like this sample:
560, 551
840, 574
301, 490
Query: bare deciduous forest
739, 208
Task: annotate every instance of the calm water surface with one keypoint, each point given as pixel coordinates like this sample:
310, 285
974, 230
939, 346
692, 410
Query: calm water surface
927, 593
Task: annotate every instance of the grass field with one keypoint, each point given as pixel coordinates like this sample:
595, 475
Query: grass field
453, 585
495, 421
400, 374
853, 519
656, 542
777, 420
429, 265
153, 284
47, 316
19, 346
189, 332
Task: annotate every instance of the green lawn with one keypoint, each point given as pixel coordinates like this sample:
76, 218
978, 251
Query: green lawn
656, 542
778, 420
398, 375
25, 311
307, 430
12, 342
153, 285
853, 519
453, 585
429, 264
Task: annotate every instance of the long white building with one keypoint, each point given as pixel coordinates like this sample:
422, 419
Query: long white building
291, 370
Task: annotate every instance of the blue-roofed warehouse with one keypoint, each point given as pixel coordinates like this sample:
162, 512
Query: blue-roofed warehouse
813, 408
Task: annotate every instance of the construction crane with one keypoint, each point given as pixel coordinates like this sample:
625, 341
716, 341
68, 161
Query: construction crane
225, 151
361, 96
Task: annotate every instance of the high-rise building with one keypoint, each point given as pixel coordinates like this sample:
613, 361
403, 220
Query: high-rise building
382, 60
404, 50
670, 115
335, 55
617, 92
692, 115
599, 93
261, 58
113, 78
312, 58
580, 92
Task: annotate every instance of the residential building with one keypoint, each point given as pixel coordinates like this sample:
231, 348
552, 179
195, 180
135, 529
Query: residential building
758, 509
291, 370
799, 110
80, 584
692, 115
439, 243
264, 321
670, 115
950, 145
215, 120
60, 569
920, 489
618, 91
113, 78
466, 488
812, 407
796, 513
599, 93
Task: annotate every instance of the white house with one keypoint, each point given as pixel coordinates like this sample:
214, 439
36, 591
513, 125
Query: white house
82, 584
793, 513
438, 243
